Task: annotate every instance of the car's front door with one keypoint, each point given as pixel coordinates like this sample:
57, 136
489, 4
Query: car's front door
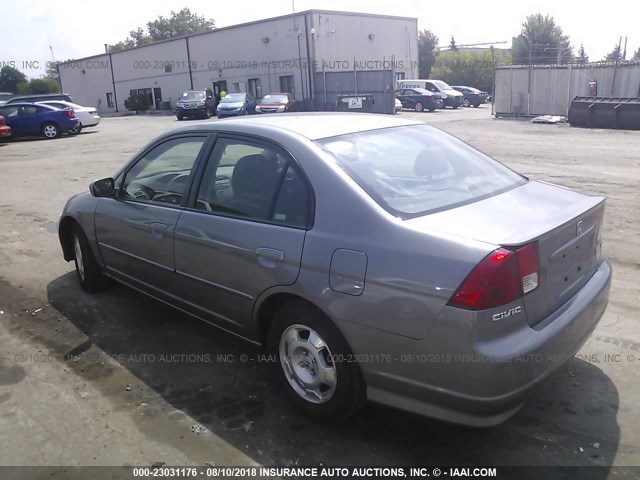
135, 229
244, 231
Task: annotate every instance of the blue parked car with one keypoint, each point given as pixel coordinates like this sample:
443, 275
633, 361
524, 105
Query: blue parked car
30, 120
236, 104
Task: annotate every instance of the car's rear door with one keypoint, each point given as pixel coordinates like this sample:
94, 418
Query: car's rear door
244, 230
135, 229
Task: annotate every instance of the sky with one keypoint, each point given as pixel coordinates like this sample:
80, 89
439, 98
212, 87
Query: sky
80, 29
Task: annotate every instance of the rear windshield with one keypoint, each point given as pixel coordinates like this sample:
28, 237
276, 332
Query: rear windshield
414, 170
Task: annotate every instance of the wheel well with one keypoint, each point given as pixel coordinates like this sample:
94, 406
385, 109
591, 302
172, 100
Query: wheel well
270, 306
65, 231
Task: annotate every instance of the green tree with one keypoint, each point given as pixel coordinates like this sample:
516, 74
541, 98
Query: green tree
452, 44
614, 55
636, 56
177, 24
51, 69
472, 68
136, 103
12, 80
582, 55
541, 41
44, 85
427, 52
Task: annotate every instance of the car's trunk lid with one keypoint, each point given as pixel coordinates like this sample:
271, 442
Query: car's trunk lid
565, 224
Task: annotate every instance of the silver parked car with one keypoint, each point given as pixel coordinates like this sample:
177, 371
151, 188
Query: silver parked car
374, 257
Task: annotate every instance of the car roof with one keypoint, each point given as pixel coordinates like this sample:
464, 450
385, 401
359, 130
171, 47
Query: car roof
27, 104
312, 125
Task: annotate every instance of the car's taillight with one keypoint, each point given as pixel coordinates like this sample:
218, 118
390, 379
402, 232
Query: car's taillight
68, 113
529, 265
500, 278
93, 112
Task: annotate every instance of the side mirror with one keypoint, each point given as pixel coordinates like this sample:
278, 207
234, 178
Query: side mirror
104, 187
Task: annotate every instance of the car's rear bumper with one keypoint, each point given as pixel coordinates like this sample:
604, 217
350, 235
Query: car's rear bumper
90, 122
479, 382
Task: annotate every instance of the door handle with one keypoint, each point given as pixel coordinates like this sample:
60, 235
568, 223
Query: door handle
158, 230
270, 254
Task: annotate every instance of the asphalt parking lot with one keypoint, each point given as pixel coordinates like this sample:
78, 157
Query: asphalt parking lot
82, 381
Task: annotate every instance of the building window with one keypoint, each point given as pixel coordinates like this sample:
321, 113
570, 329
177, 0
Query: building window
168, 68
110, 99
255, 88
399, 75
286, 84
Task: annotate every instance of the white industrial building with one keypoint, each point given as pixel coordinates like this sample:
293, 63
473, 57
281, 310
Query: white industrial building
315, 55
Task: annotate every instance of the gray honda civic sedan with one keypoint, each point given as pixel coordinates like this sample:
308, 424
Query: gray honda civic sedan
374, 257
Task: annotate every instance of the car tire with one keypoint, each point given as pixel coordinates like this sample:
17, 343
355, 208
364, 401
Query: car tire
418, 107
50, 130
179, 117
476, 105
432, 109
90, 276
338, 386
454, 107
75, 131
465, 103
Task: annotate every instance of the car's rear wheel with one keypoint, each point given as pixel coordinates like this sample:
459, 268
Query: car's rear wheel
90, 276
465, 102
75, 131
419, 107
314, 364
51, 130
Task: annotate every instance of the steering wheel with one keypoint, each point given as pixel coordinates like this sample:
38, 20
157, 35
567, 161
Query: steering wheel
138, 190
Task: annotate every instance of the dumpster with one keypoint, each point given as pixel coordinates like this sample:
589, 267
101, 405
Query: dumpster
355, 103
605, 112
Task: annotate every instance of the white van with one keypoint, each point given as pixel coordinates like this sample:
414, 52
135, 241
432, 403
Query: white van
450, 97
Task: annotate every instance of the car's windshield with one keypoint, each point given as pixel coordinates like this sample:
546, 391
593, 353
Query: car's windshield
193, 96
233, 98
441, 85
415, 170
275, 99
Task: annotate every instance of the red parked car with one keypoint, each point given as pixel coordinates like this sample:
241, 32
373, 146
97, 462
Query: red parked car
278, 103
5, 130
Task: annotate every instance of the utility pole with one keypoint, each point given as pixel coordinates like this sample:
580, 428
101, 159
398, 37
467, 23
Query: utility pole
529, 81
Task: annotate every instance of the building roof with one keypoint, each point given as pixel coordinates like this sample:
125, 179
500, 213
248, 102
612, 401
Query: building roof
254, 22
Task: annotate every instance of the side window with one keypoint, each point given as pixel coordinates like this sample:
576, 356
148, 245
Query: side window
292, 204
253, 181
431, 87
28, 110
163, 174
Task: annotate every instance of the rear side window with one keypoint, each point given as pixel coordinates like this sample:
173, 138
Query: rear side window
415, 170
253, 181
